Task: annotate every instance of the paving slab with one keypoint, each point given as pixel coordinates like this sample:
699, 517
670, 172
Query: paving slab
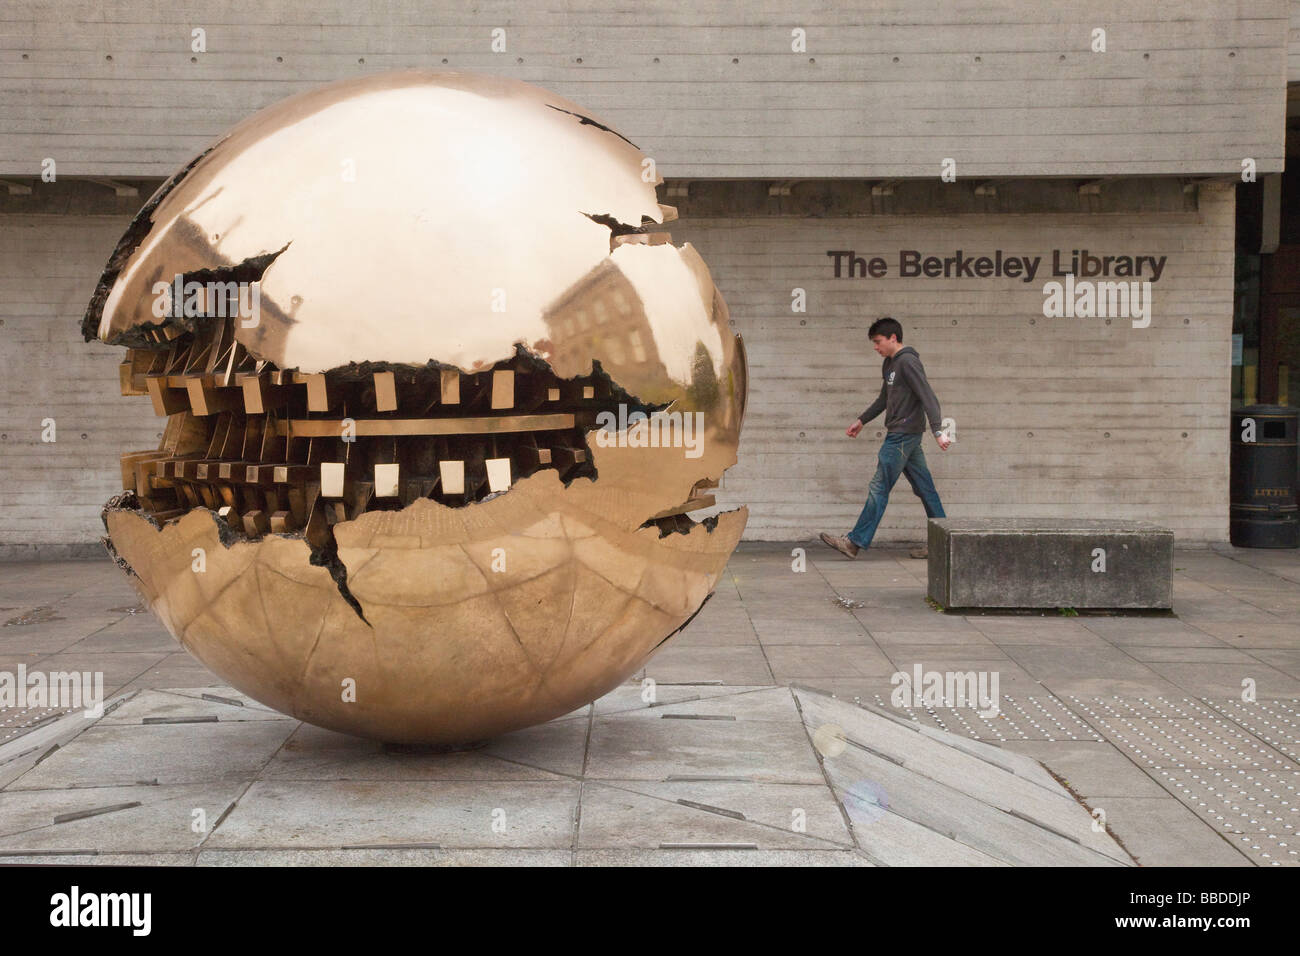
1036, 631
980, 770
1276, 722
707, 857
125, 754
949, 636
896, 597
386, 857
1191, 742
168, 707
141, 633
1254, 813
1160, 831
662, 815
112, 819
857, 690
637, 697
176, 669
551, 752
1164, 654
397, 814
761, 703
790, 662
965, 650
1174, 707
1286, 660
1278, 634
731, 665
1225, 680
1151, 632
976, 796
1012, 679
118, 668
1095, 770
73, 858
756, 750
50, 637
996, 831
886, 620
700, 758
1072, 663
1140, 687
1282, 600
1225, 609
811, 632
715, 636
891, 839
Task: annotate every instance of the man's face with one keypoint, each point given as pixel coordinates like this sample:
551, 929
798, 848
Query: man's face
885, 346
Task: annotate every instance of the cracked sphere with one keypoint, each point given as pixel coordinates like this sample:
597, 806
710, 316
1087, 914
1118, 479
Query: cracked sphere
440, 395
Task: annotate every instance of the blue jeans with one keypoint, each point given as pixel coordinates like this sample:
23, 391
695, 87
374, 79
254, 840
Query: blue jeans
900, 454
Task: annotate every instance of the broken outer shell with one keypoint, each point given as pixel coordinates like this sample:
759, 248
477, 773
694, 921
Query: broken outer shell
414, 217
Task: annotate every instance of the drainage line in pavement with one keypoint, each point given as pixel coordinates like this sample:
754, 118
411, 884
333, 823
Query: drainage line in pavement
734, 814
98, 811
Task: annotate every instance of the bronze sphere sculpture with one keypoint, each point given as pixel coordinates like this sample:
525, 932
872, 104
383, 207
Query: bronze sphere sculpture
439, 394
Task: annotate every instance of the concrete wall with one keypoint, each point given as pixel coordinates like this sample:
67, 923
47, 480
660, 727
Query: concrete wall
1055, 417
710, 88
51, 493
1059, 417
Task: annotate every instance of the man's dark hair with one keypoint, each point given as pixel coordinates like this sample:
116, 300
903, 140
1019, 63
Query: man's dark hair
885, 326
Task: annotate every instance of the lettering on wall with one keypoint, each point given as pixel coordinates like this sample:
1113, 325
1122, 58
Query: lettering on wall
1080, 283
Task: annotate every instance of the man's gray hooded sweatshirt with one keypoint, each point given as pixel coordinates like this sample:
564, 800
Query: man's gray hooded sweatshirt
904, 395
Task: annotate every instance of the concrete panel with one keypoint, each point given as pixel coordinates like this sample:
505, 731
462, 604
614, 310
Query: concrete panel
710, 89
1050, 563
1052, 415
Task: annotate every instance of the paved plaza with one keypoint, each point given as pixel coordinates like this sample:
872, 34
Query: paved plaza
768, 735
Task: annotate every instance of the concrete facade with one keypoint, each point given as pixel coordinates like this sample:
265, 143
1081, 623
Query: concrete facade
709, 89
773, 161
1052, 415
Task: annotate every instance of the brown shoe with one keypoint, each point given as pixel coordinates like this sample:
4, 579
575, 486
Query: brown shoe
843, 545
920, 552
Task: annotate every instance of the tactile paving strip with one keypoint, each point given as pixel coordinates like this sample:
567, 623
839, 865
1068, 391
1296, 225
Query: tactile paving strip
1038, 717
1256, 812
1235, 764
1192, 743
1276, 722
1094, 708
16, 721
1232, 763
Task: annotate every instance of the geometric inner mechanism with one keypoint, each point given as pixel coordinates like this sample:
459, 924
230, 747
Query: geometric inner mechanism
275, 451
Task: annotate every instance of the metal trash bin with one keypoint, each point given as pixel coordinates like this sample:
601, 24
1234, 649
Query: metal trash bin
1262, 484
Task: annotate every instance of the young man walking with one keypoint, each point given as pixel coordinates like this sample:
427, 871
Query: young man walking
904, 397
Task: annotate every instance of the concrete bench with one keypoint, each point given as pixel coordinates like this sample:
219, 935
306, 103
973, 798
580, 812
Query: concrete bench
1050, 563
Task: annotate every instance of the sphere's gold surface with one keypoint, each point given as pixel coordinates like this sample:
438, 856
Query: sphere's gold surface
411, 218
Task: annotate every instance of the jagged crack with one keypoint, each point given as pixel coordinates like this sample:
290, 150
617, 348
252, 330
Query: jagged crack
588, 121
130, 241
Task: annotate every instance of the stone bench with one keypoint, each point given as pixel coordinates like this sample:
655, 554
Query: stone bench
1050, 563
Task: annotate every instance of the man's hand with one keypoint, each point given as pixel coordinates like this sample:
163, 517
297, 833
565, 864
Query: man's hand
944, 441
852, 430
